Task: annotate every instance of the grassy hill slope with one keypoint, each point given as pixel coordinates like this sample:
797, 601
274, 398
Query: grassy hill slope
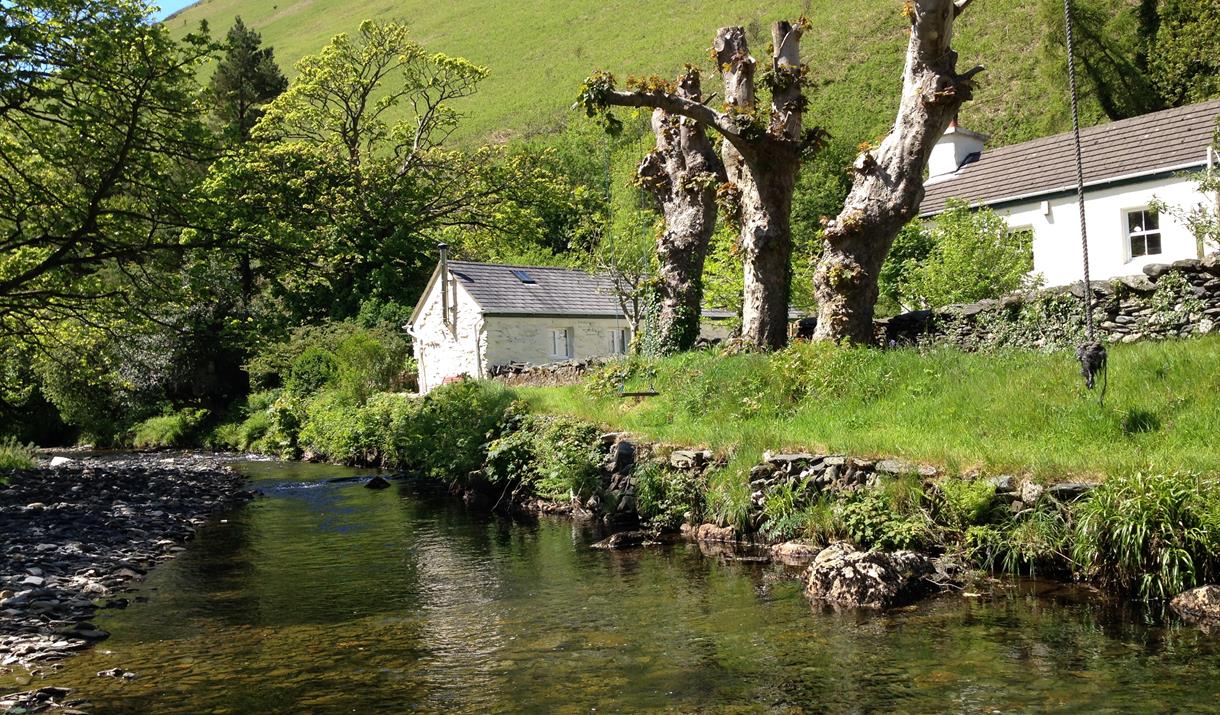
539, 52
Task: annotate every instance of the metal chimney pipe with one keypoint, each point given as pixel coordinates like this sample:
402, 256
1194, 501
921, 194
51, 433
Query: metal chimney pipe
443, 249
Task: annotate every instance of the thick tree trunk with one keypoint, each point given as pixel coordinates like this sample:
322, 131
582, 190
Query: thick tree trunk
764, 173
761, 160
682, 173
888, 184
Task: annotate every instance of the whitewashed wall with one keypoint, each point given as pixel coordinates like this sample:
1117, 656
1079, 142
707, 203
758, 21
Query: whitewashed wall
528, 339
441, 351
1057, 233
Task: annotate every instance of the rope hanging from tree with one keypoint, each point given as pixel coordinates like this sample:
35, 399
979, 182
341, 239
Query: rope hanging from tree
1092, 354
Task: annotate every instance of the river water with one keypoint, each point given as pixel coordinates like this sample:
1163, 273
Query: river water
326, 597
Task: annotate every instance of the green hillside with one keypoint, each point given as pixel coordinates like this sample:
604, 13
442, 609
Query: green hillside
539, 52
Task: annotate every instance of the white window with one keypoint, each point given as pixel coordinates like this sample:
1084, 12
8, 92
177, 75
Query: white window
620, 338
1143, 233
561, 343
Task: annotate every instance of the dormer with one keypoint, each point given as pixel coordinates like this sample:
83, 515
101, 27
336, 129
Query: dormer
955, 149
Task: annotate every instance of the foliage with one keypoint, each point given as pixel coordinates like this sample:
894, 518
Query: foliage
888, 517
15, 455
101, 143
1183, 55
913, 246
665, 497
964, 502
974, 256
246, 77
1153, 535
1034, 541
554, 457
178, 429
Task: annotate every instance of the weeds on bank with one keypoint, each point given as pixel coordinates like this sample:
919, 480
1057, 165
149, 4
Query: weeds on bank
15, 455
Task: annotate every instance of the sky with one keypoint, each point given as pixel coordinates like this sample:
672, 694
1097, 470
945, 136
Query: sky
170, 6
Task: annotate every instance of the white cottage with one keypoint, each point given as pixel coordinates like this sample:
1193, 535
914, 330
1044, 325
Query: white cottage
476, 316
1128, 165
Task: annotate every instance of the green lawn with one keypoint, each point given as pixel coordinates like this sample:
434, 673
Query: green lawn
539, 52
1015, 412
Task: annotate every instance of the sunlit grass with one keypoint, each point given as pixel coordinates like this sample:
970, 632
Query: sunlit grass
1016, 411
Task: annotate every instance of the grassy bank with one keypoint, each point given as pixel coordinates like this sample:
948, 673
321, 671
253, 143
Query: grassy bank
1019, 412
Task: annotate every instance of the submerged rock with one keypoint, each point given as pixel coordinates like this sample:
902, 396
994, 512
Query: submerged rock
844, 576
624, 540
377, 483
794, 553
1199, 605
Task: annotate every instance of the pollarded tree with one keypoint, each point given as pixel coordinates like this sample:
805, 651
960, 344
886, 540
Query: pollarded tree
887, 186
682, 173
762, 155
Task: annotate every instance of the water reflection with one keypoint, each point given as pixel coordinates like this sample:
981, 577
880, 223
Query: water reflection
325, 597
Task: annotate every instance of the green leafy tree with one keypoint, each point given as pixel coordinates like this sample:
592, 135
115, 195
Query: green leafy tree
1184, 54
101, 144
974, 256
246, 78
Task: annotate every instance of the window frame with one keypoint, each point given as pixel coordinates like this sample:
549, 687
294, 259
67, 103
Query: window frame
620, 336
1144, 234
568, 346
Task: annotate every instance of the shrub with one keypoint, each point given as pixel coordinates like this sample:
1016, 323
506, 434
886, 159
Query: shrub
554, 457
889, 516
1154, 536
964, 502
312, 370
665, 497
1034, 541
173, 430
456, 421
15, 455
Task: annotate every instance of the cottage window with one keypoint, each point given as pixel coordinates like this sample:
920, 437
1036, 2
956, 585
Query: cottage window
1143, 232
620, 338
561, 343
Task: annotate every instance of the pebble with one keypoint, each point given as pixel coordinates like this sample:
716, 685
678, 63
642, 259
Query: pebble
85, 530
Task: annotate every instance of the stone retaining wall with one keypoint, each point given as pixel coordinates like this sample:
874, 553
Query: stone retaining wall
548, 375
1168, 301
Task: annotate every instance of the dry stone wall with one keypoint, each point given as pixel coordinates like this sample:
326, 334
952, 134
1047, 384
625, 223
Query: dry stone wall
1167, 301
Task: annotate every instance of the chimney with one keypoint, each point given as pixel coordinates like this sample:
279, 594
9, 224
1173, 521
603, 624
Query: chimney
443, 250
956, 148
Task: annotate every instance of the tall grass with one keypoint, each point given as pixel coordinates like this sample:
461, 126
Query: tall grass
15, 455
1154, 535
1011, 411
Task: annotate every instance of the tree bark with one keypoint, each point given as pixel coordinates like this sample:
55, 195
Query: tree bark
764, 173
682, 174
888, 184
761, 161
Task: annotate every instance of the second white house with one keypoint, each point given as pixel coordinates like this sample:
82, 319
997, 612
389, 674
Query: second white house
1128, 166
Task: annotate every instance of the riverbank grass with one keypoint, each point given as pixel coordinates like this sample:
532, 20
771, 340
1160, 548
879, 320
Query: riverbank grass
1014, 411
15, 455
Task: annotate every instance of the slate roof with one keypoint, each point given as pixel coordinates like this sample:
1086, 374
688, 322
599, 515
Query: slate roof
1174, 139
556, 291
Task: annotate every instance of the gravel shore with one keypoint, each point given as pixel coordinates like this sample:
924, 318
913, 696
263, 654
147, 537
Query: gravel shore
73, 536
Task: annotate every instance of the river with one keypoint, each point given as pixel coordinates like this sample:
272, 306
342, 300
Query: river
325, 597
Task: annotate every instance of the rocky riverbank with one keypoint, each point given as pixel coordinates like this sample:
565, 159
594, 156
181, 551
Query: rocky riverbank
74, 535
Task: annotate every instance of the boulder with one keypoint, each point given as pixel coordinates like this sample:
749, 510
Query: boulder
1199, 605
843, 576
711, 532
1070, 491
61, 461
377, 483
623, 540
1156, 270
621, 457
1031, 492
1003, 483
794, 553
